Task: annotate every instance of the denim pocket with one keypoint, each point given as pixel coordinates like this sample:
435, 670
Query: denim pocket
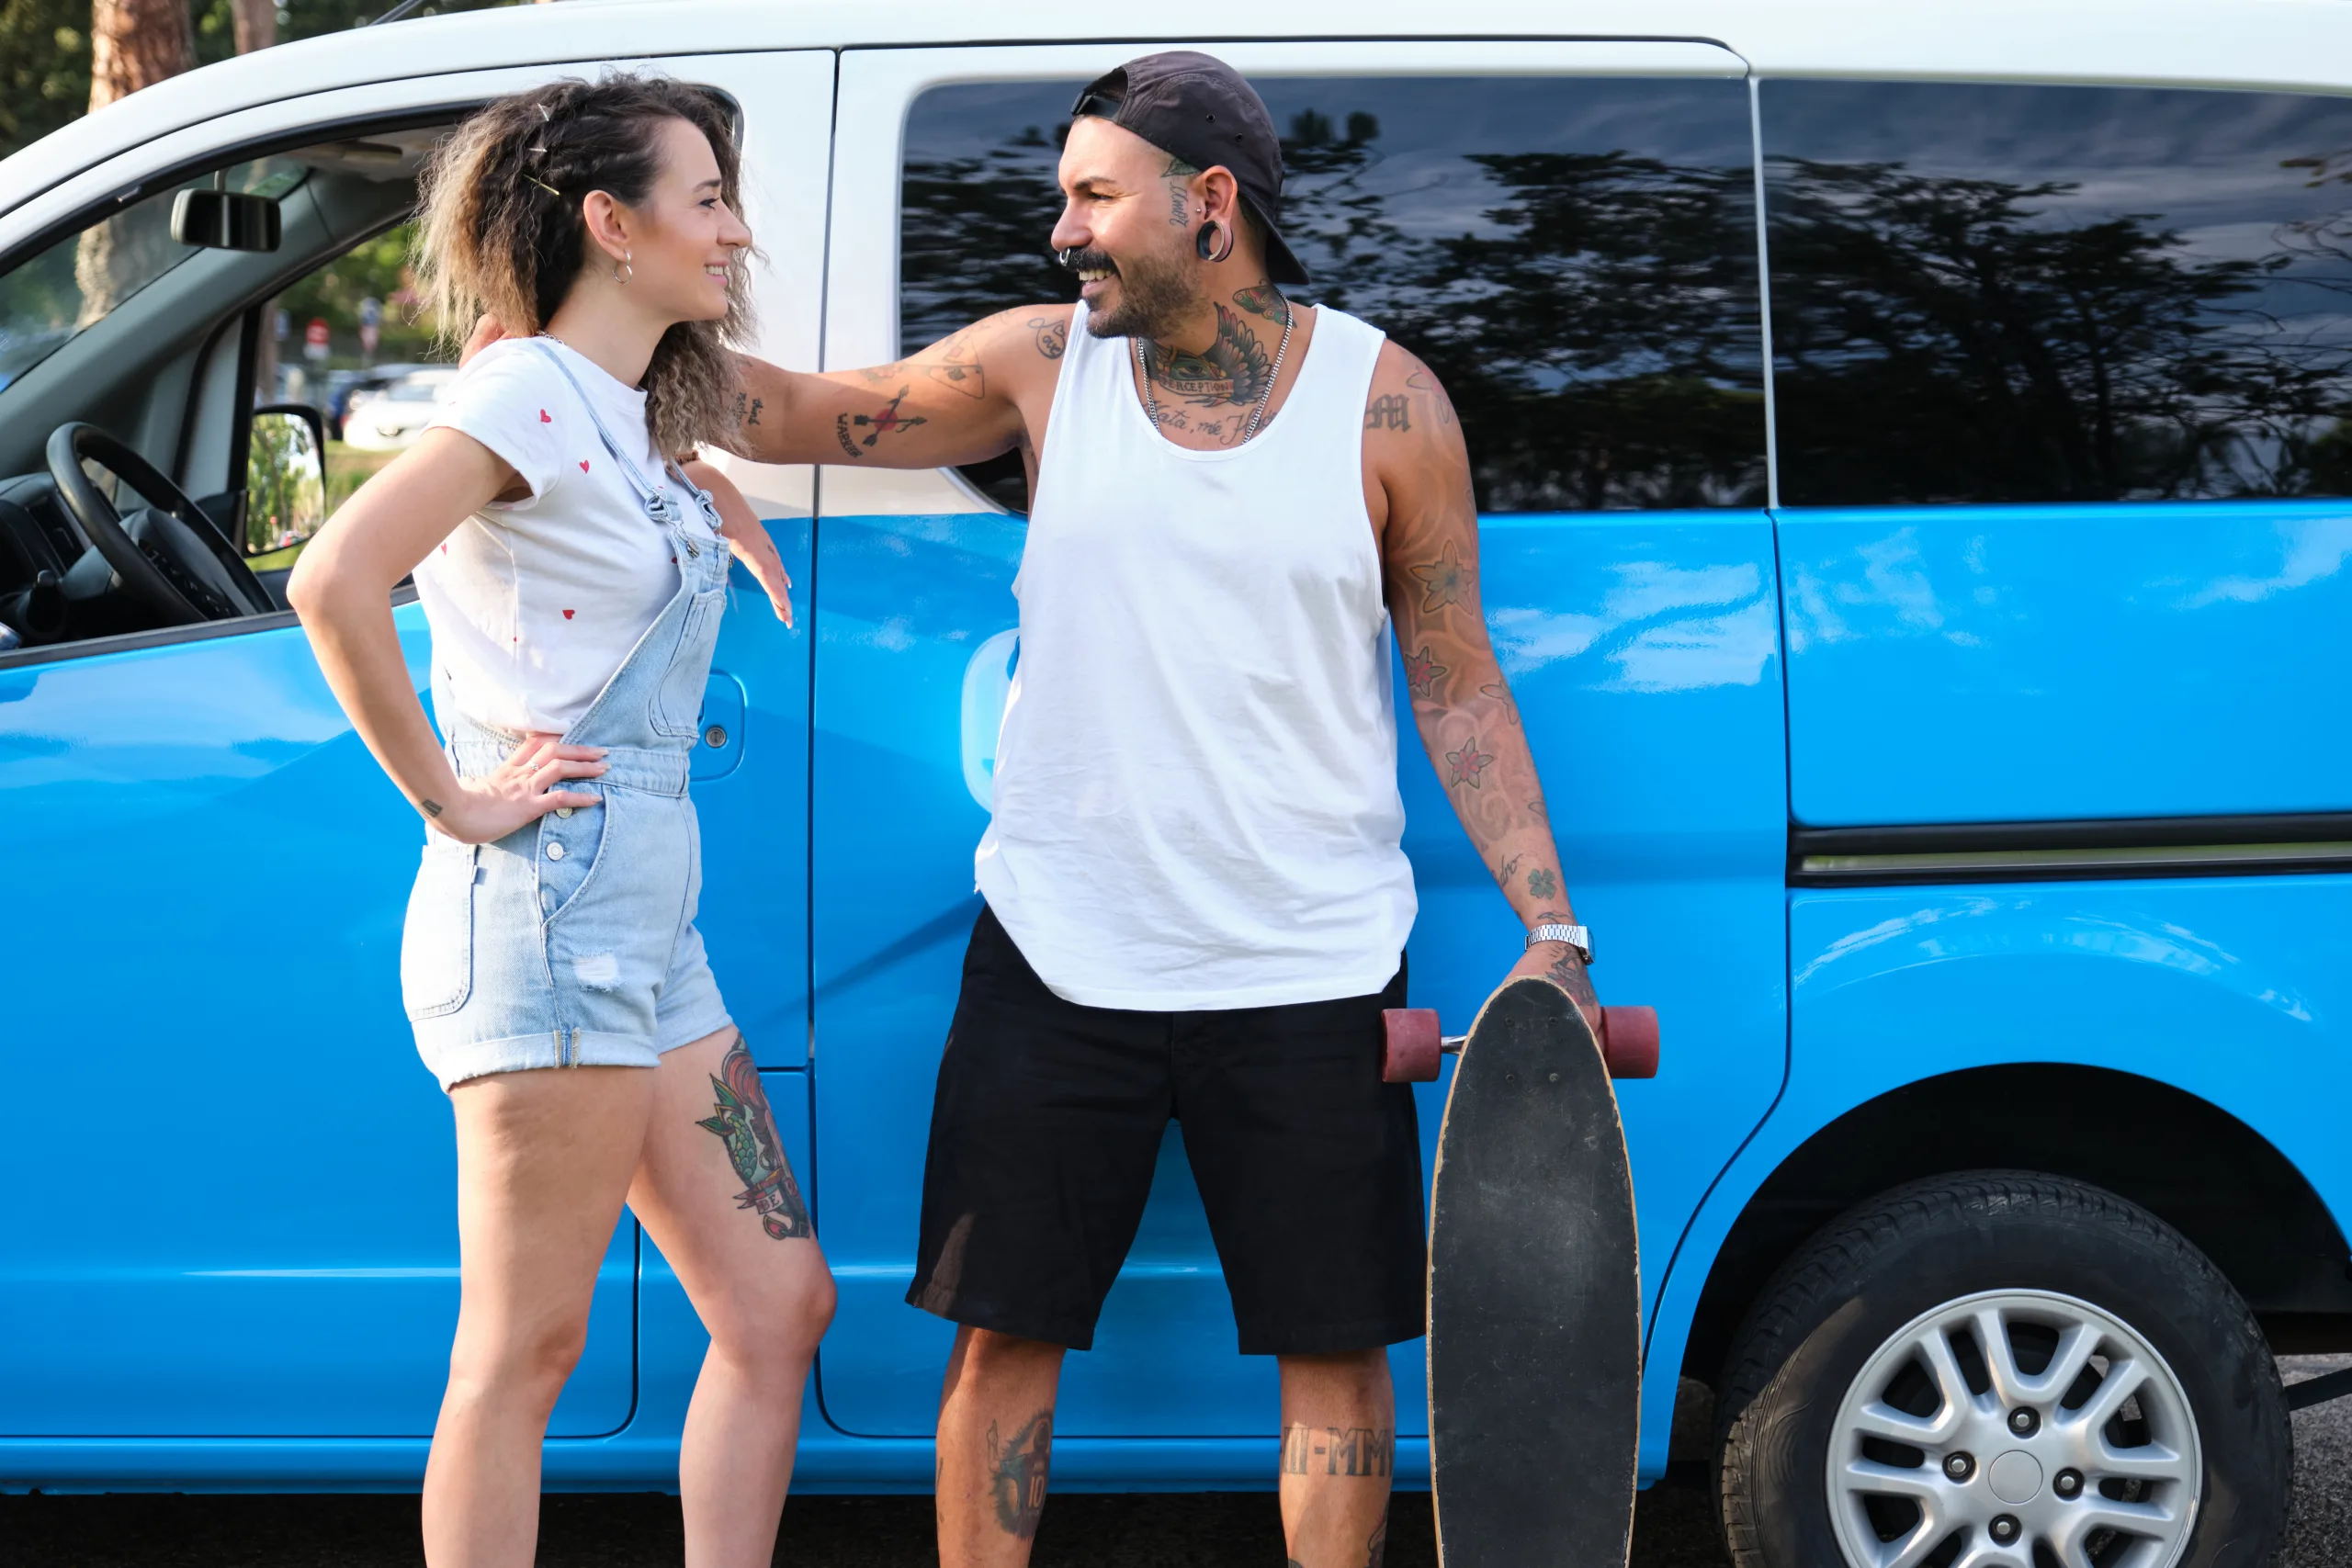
678, 701
437, 939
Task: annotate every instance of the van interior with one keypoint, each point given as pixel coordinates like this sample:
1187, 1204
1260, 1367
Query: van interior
165, 423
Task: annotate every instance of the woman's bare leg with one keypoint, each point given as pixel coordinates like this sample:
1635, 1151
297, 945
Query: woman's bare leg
756, 1277
544, 1159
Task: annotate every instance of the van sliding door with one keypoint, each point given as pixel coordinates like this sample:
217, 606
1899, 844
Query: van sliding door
1566, 233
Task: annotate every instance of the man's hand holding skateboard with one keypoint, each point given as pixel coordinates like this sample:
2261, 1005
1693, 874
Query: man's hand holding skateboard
1561, 965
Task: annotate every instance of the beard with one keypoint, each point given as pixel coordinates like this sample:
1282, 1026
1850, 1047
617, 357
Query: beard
1155, 293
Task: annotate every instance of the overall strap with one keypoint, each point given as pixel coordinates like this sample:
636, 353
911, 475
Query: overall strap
656, 504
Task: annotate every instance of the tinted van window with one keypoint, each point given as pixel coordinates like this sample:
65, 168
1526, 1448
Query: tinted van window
1574, 258
2022, 294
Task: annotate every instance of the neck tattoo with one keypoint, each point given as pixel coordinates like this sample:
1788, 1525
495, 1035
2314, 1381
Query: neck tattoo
1257, 414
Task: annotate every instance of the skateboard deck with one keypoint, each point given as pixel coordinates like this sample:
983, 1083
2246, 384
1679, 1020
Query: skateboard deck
1534, 1297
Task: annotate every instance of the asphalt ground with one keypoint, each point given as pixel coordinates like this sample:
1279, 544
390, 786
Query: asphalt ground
1674, 1527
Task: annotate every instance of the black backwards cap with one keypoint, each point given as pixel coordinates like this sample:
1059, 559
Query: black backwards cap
1196, 107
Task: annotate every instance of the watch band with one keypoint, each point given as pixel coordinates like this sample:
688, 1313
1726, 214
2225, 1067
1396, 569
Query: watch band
1578, 937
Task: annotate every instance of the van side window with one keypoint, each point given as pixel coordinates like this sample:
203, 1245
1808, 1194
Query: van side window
2058, 294
1576, 258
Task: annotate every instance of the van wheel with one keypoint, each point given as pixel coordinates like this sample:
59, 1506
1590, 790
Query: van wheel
2001, 1367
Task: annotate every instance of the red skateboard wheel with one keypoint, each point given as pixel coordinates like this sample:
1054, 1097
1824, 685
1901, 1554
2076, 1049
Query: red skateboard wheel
1629, 1042
1411, 1045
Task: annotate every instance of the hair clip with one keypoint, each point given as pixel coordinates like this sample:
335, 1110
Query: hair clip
543, 184
539, 151
545, 115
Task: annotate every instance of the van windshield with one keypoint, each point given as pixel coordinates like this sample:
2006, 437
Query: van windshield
73, 283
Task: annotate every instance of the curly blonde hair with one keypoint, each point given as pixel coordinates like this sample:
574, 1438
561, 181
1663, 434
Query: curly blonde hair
502, 230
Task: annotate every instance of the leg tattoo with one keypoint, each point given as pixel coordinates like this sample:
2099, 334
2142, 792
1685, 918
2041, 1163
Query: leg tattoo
1330, 1450
1017, 1473
747, 1129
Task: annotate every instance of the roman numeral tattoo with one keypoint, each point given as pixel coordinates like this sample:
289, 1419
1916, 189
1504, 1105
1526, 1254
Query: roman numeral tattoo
1336, 1451
430, 808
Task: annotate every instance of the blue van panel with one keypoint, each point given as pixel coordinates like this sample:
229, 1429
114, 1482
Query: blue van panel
751, 795
2236, 990
234, 1181
2009, 663
1643, 647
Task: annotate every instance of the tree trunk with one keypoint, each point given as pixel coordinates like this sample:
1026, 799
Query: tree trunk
137, 43
257, 23
134, 44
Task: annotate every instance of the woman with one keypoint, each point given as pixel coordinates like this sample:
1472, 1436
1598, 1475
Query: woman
573, 583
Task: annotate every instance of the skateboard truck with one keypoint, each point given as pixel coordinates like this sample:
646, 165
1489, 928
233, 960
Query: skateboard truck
1414, 1042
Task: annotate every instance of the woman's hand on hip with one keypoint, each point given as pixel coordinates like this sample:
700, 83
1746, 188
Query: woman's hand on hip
522, 790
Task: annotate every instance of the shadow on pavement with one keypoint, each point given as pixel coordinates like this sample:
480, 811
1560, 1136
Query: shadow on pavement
637, 1530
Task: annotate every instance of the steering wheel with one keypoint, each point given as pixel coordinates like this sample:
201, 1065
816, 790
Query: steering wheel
171, 556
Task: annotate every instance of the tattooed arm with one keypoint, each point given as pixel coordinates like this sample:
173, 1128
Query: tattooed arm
964, 399
1418, 482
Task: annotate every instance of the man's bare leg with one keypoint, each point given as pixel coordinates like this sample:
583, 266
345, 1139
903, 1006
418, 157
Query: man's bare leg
1339, 1449
996, 1436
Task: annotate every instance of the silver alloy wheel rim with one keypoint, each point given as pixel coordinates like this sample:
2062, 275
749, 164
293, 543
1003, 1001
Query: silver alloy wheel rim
2104, 1404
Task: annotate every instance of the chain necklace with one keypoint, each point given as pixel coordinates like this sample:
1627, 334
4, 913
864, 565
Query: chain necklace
1257, 414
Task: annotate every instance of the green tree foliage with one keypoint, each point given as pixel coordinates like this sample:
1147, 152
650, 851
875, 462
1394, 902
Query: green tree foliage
44, 68
45, 50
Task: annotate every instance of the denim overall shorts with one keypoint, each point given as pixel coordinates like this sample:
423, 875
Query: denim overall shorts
571, 942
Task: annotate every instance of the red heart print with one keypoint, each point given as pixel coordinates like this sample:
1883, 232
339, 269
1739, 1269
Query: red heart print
544, 419
567, 614
583, 464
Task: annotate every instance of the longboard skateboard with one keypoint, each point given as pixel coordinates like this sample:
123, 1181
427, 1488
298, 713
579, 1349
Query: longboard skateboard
1535, 1294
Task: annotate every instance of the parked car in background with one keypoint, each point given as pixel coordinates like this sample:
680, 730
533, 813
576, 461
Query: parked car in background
1912, 458
344, 386
388, 415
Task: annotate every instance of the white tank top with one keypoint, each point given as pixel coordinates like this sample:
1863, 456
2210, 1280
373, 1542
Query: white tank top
1195, 785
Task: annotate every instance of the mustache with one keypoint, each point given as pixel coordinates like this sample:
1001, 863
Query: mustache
1085, 261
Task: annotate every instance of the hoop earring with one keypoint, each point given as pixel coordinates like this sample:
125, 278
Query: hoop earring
1215, 240
624, 272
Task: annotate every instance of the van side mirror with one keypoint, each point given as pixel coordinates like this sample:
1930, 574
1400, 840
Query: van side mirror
284, 481
225, 221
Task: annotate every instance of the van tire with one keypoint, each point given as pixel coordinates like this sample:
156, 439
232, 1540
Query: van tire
1881, 1265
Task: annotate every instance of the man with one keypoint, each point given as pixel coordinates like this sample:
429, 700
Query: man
1196, 904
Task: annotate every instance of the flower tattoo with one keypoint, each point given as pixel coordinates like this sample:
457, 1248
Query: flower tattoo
1445, 581
1467, 763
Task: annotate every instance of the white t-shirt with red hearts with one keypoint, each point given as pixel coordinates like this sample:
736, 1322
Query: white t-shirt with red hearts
535, 603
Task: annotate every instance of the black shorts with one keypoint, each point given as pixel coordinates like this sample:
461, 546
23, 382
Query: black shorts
1047, 1125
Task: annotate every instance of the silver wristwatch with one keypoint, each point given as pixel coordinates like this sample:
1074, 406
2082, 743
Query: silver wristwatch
1578, 937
